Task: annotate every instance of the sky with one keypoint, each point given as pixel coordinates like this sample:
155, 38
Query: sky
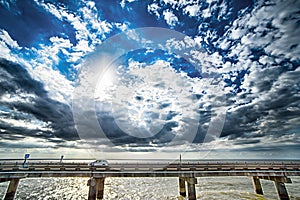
150, 79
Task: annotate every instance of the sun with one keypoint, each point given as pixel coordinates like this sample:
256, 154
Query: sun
106, 84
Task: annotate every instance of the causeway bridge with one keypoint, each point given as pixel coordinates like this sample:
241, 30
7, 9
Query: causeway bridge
187, 172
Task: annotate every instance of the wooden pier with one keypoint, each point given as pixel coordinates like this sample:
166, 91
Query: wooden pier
186, 171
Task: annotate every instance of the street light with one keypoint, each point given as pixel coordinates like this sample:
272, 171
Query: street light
61, 158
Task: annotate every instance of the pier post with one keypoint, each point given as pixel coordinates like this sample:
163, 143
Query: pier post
92, 189
281, 191
257, 185
12, 189
100, 188
182, 190
191, 188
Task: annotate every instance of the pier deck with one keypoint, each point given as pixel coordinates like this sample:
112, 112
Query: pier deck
187, 172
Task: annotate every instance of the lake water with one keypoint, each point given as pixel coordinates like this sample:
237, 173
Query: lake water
147, 188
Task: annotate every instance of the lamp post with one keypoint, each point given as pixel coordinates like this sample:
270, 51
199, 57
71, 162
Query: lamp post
61, 158
180, 159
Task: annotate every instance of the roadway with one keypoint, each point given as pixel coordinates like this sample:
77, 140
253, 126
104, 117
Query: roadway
45, 168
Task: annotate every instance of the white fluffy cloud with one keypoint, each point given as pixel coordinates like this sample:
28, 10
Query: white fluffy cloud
6, 45
170, 18
145, 98
154, 8
145, 95
5, 37
273, 28
86, 16
192, 10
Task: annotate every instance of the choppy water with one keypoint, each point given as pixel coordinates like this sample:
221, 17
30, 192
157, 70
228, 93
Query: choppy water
147, 188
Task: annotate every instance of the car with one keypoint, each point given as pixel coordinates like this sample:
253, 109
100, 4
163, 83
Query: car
97, 163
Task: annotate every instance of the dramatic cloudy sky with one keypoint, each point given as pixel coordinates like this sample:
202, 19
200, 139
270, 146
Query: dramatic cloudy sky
212, 78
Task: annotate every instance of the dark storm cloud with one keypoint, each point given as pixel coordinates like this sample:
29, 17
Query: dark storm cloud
204, 118
15, 80
273, 110
8, 132
119, 137
241, 121
14, 77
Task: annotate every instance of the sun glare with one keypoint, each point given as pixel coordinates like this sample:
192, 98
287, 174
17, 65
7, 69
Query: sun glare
105, 85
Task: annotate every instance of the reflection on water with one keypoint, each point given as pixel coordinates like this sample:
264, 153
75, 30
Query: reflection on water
147, 188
